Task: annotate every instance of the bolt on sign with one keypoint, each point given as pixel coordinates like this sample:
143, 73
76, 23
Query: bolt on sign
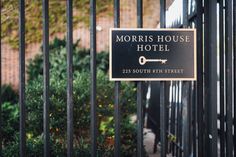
152, 54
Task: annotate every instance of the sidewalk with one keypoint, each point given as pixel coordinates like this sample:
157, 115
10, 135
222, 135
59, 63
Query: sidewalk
148, 141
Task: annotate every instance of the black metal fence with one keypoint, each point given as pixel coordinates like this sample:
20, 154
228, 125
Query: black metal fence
200, 116
196, 118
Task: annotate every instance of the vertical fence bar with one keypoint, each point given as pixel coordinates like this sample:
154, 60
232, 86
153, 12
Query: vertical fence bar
140, 120
140, 13
229, 66
193, 108
117, 13
234, 41
180, 114
162, 88
185, 101
139, 90
93, 77
22, 77
117, 120
194, 121
185, 14
46, 79
200, 144
163, 119
190, 117
69, 46
222, 79
117, 152
211, 76
0, 79
154, 100
167, 104
173, 116
186, 92
178, 118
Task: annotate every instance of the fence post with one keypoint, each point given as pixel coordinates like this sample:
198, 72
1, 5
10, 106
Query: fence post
229, 76
139, 91
22, 77
222, 78
186, 118
163, 120
70, 107
93, 77
117, 116
46, 79
234, 49
199, 83
0, 79
210, 56
162, 88
173, 116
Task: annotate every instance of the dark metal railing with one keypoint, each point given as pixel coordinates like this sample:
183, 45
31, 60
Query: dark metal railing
22, 77
234, 49
46, 79
93, 77
69, 43
140, 148
117, 152
0, 78
188, 123
222, 82
229, 76
199, 135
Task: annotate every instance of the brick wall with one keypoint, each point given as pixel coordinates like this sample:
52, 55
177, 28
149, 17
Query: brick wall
128, 19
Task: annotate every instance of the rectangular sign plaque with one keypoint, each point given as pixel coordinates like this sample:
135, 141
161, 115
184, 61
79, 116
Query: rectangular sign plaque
152, 54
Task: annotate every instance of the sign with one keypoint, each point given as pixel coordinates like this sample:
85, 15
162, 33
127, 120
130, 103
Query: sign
152, 54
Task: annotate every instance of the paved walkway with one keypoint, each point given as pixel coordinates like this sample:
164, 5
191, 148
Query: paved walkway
149, 142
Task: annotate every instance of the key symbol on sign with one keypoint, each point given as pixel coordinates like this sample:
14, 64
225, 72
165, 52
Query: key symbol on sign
142, 60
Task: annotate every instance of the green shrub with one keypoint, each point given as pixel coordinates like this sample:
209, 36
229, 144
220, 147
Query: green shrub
10, 122
34, 147
81, 99
81, 96
81, 112
8, 94
57, 57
